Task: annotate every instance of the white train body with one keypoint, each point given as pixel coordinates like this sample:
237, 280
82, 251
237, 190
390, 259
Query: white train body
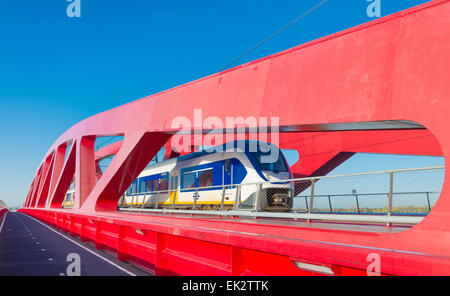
199, 178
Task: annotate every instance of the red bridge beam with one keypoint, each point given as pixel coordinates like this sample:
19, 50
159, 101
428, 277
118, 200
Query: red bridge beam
3, 211
321, 152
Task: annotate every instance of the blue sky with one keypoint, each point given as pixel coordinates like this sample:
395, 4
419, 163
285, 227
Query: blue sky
56, 71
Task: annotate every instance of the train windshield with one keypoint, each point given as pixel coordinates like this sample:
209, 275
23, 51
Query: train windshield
263, 159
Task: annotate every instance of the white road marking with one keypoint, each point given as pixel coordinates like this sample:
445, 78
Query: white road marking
81, 246
3, 222
26, 228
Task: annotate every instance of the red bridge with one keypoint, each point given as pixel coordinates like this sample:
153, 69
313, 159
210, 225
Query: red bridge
382, 87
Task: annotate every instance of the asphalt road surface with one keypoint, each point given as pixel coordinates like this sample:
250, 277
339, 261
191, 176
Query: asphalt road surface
29, 247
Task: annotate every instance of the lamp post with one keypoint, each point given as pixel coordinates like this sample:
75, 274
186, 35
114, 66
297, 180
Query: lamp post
356, 198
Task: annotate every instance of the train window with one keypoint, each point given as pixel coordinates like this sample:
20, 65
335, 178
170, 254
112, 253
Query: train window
163, 184
205, 178
156, 185
149, 185
189, 180
227, 165
143, 187
134, 188
279, 165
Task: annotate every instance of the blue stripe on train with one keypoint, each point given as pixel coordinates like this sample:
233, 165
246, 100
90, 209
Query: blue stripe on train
236, 168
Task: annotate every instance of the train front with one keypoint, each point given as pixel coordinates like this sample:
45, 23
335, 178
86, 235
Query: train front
277, 192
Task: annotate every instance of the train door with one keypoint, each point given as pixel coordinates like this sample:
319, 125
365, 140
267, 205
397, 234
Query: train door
174, 185
64, 205
227, 179
188, 183
163, 196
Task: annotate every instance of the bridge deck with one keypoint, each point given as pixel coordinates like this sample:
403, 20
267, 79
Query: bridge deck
290, 223
176, 244
29, 247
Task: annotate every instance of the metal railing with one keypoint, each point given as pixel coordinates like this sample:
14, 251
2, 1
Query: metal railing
402, 196
358, 210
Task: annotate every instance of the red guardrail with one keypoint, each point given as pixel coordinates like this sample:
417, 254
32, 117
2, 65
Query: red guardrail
175, 246
3, 211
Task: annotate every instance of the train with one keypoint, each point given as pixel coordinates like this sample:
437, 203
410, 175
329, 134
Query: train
210, 179
68, 199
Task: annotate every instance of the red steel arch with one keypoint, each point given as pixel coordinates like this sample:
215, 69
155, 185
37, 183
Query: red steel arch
392, 69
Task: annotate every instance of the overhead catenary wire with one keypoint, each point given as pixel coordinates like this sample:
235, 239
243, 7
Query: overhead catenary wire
315, 7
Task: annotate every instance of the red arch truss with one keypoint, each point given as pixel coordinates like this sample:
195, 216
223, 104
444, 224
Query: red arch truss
359, 90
